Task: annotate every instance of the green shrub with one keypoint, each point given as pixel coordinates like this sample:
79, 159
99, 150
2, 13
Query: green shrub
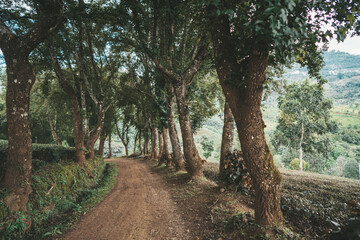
294, 164
52, 152
56, 188
235, 172
351, 169
41, 154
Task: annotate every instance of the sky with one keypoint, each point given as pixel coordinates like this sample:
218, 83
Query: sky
350, 45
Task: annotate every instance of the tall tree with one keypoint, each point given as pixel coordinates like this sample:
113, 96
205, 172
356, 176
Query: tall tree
20, 79
304, 117
250, 36
227, 136
178, 49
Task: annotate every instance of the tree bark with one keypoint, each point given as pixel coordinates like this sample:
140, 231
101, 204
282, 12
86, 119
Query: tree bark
166, 153
177, 157
76, 110
154, 145
102, 144
192, 158
146, 142
140, 144
94, 136
160, 143
53, 130
300, 147
245, 105
20, 79
110, 150
227, 136
135, 142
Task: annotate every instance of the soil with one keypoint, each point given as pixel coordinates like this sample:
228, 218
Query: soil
156, 202
139, 207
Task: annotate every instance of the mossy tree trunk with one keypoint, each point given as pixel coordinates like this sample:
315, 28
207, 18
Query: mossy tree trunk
245, 103
20, 79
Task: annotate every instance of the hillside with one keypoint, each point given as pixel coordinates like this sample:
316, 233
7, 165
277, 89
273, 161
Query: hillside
342, 70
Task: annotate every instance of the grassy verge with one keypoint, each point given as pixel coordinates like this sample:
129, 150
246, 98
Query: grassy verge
61, 194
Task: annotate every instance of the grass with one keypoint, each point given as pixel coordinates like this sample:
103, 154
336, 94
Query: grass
64, 205
88, 199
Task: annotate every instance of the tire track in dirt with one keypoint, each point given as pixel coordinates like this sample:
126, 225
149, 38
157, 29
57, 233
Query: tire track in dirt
139, 207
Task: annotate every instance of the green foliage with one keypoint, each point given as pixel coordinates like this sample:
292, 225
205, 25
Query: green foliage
351, 169
235, 172
61, 192
207, 146
304, 106
15, 227
294, 164
42, 154
351, 136
52, 152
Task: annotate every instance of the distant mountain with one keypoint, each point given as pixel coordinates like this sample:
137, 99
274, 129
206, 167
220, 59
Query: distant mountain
342, 70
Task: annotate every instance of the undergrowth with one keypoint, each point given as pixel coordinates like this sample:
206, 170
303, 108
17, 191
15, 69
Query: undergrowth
61, 193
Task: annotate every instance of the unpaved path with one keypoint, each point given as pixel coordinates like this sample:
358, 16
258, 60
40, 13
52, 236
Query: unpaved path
139, 207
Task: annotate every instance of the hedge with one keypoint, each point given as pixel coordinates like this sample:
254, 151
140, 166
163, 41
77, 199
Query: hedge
41, 154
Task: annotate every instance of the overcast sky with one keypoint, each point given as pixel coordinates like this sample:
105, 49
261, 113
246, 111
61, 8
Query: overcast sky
350, 45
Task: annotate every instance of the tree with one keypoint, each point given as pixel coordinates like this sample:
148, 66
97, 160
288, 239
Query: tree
227, 136
179, 48
207, 146
20, 79
250, 36
304, 117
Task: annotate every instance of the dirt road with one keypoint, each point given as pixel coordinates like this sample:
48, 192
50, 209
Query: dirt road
139, 207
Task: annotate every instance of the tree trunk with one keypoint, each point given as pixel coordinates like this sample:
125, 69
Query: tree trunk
227, 136
245, 105
53, 130
135, 142
126, 149
76, 111
146, 142
94, 136
300, 148
177, 157
20, 79
192, 158
160, 143
140, 144
154, 146
110, 150
102, 144
166, 153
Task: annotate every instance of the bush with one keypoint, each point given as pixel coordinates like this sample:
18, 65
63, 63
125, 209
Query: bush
235, 172
294, 164
56, 189
52, 152
41, 154
351, 169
